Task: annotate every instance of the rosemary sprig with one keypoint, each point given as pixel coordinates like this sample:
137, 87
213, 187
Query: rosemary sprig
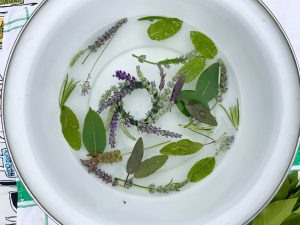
233, 113
66, 90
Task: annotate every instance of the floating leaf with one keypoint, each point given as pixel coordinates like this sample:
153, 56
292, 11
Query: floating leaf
172, 61
202, 169
70, 127
136, 157
208, 83
204, 44
201, 113
94, 134
283, 192
151, 18
275, 213
192, 68
150, 166
293, 219
182, 147
164, 28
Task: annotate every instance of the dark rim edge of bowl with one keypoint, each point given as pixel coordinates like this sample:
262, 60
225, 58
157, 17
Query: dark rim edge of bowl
268, 11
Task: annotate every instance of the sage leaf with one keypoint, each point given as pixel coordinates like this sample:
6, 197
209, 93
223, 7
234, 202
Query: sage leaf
293, 180
201, 113
151, 18
283, 191
182, 147
192, 68
150, 166
202, 169
94, 134
136, 156
203, 44
208, 83
164, 28
70, 127
172, 61
275, 213
293, 219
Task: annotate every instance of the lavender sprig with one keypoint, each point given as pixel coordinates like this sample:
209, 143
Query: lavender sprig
104, 176
150, 129
113, 129
122, 75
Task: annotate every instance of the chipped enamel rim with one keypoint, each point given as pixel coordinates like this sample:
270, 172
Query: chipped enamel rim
268, 11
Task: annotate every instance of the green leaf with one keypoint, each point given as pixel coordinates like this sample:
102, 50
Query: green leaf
171, 61
164, 28
192, 68
293, 219
293, 179
70, 127
94, 134
203, 44
275, 213
151, 18
283, 192
297, 209
201, 113
202, 169
295, 195
150, 166
136, 157
208, 83
182, 147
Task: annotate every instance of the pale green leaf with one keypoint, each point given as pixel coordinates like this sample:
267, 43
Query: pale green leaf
192, 68
203, 44
164, 28
202, 169
182, 147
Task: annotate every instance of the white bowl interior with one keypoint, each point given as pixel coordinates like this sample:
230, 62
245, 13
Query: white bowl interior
260, 60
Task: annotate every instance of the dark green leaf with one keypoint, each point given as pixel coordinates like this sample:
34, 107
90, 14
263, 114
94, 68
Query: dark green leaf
204, 44
151, 18
208, 83
171, 61
202, 169
182, 147
201, 113
164, 28
70, 127
275, 213
283, 192
94, 134
192, 68
293, 179
150, 166
297, 208
293, 219
136, 157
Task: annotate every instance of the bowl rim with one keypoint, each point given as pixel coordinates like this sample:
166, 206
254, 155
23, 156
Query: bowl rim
7, 65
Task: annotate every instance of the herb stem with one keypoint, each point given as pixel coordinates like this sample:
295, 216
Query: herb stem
214, 106
136, 185
201, 134
146, 61
90, 52
150, 147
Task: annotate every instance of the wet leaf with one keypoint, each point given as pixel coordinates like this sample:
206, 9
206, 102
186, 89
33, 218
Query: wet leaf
201, 113
182, 147
164, 28
70, 127
275, 213
192, 68
202, 169
151, 18
293, 219
136, 157
150, 166
283, 192
208, 83
171, 61
203, 44
94, 134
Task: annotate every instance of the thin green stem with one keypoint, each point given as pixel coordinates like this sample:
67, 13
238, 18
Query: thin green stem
201, 134
150, 147
136, 185
90, 52
214, 106
146, 61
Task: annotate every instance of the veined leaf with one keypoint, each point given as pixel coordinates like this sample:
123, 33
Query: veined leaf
164, 28
151, 18
94, 134
202, 169
204, 44
201, 113
70, 127
208, 83
192, 68
136, 157
275, 213
182, 147
150, 166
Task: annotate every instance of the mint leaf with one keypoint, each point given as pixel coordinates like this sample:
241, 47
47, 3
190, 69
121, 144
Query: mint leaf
192, 68
202, 169
182, 147
164, 28
203, 44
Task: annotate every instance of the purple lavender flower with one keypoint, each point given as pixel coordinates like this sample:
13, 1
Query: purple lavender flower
113, 129
177, 88
150, 129
104, 176
122, 75
107, 35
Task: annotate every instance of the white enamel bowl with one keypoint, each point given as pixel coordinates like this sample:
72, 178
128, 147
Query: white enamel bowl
241, 185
